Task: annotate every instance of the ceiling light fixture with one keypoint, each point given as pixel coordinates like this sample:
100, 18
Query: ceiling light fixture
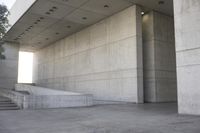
84, 18
142, 13
48, 13
106, 6
54, 7
51, 10
161, 2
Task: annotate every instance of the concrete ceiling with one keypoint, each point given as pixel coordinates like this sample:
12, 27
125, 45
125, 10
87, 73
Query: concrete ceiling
50, 20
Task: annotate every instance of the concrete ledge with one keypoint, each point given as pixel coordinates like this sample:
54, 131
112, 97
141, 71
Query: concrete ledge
41, 98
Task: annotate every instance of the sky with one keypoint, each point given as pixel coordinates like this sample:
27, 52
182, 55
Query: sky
8, 3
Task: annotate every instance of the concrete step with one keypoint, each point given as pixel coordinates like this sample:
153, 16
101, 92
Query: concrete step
6, 102
2, 100
9, 108
8, 105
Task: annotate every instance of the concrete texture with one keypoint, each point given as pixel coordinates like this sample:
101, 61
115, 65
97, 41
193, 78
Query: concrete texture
42, 98
104, 59
187, 52
14, 96
68, 13
9, 66
7, 104
159, 58
130, 118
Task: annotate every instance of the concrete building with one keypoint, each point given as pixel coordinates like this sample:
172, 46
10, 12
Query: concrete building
118, 50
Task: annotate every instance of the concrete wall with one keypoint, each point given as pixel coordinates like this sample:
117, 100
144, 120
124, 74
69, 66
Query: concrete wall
159, 58
187, 27
104, 59
9, 67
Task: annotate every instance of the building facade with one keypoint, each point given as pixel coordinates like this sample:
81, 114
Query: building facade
117, 50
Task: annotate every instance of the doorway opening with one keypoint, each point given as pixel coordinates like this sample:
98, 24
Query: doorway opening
25, 67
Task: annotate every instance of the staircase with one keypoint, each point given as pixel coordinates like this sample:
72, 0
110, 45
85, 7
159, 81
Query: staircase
7, 104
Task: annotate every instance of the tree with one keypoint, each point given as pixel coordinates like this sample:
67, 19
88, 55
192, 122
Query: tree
3, 26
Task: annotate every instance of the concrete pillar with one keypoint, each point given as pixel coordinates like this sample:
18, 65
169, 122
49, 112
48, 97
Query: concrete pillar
187, 30
9, 66
159, 58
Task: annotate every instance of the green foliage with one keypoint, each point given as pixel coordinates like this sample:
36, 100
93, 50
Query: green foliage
3, 26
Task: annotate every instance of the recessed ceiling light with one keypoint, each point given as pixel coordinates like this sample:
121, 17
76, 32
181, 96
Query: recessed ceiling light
54, 7
142, 13
51, 10
106, 6
84, 18
48, 13
161, 2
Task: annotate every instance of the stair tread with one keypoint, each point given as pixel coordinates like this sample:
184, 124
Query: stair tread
5, 101
9, 108
4, 98
8, 105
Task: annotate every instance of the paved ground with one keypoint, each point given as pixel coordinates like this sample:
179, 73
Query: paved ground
148, 118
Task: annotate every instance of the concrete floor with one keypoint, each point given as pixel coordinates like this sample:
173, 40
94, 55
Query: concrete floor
129, 118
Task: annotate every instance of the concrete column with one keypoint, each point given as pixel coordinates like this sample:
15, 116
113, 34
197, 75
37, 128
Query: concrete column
159, 58
9, 66
187, 29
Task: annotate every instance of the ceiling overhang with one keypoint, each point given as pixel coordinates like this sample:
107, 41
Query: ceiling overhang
47, 21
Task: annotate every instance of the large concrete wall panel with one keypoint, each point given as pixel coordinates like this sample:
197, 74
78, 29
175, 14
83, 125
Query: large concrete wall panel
159, 58
187, 51
104, 59
9, 66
